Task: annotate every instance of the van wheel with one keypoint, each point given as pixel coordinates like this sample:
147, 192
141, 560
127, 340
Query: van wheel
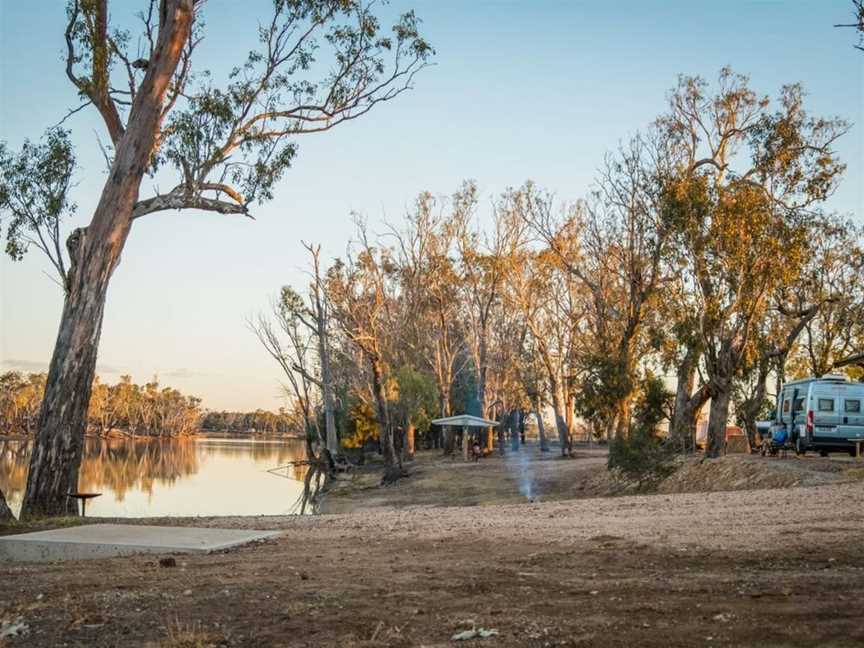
852, 453
823, 453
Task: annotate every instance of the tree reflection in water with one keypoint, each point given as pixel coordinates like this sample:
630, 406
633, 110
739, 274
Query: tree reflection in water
143, 466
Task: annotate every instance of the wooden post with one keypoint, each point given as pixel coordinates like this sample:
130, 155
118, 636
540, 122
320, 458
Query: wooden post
466, 443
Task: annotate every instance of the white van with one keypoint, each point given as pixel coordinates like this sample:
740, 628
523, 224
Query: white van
822, 413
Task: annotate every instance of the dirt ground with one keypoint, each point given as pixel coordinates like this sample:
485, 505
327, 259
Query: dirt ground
768, 567
442, 481
438, 481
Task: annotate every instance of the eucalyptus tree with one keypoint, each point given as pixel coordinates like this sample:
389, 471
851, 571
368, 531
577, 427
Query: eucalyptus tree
543, 292
747, 181
832, 278
773, 338
504, 387
319, 64
482, 267
306, 358
415, 404
813, 321
294, 356
532, 374
363, 292
431, 288
621, 239
34, 197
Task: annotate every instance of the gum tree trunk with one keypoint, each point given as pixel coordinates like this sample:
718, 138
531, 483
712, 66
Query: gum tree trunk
515, 416
749, 409
321, 319
94, 254
442, 436
682, 428
721, 370
410, 434
624, 406
392, 465
541, 430
56, 454
717, 418
332, 438
560, 418
5, 511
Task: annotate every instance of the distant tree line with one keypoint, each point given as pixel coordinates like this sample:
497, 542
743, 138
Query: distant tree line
131, 409
124, 407
20, 398
261, 421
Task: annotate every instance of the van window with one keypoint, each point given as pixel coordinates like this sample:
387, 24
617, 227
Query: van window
852, 406
799, 404
786, 406
826, 405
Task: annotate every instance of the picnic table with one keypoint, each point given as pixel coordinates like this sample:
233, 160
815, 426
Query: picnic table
83, 497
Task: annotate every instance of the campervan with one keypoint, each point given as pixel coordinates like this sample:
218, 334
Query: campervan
821, 414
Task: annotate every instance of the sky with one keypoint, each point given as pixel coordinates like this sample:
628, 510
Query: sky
519, 90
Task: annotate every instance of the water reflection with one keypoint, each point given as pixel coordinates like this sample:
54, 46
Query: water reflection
203, 476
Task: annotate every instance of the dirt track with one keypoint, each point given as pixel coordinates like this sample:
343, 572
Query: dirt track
760, 568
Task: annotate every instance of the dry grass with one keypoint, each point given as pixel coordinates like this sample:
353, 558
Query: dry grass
39, 524
180, 635
438, 481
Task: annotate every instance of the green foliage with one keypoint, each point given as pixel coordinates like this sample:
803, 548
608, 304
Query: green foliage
643, 456
653, 405
362, 427
244, 132
34, 187
603, 386
418, 397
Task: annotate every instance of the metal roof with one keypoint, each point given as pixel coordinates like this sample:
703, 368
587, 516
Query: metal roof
823, 378
465, 420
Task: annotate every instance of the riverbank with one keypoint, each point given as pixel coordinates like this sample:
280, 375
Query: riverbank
761, 567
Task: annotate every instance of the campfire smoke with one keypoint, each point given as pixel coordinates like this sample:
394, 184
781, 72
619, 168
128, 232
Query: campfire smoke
521, 465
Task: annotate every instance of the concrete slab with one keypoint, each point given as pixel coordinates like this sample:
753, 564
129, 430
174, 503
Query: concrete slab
108, 540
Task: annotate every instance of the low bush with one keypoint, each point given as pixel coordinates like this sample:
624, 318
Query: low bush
642, 458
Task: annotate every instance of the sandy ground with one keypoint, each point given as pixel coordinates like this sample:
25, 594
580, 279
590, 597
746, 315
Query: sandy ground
438, 481
766, 567
442, 481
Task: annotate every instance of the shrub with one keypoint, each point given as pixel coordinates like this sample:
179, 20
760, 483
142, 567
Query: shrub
643, 456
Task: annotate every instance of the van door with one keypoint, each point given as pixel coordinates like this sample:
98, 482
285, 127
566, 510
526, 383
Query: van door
785, 411
798, 415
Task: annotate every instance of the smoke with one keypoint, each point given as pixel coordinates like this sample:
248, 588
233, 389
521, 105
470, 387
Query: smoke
523, 468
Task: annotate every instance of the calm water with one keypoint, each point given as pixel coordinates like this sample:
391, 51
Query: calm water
204, 476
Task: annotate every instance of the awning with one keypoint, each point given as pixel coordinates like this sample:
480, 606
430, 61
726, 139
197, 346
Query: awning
465, 420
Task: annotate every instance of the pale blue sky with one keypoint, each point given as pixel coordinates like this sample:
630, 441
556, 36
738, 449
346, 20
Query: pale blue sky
520, 90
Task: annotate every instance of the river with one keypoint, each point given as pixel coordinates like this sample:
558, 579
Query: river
192, 477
